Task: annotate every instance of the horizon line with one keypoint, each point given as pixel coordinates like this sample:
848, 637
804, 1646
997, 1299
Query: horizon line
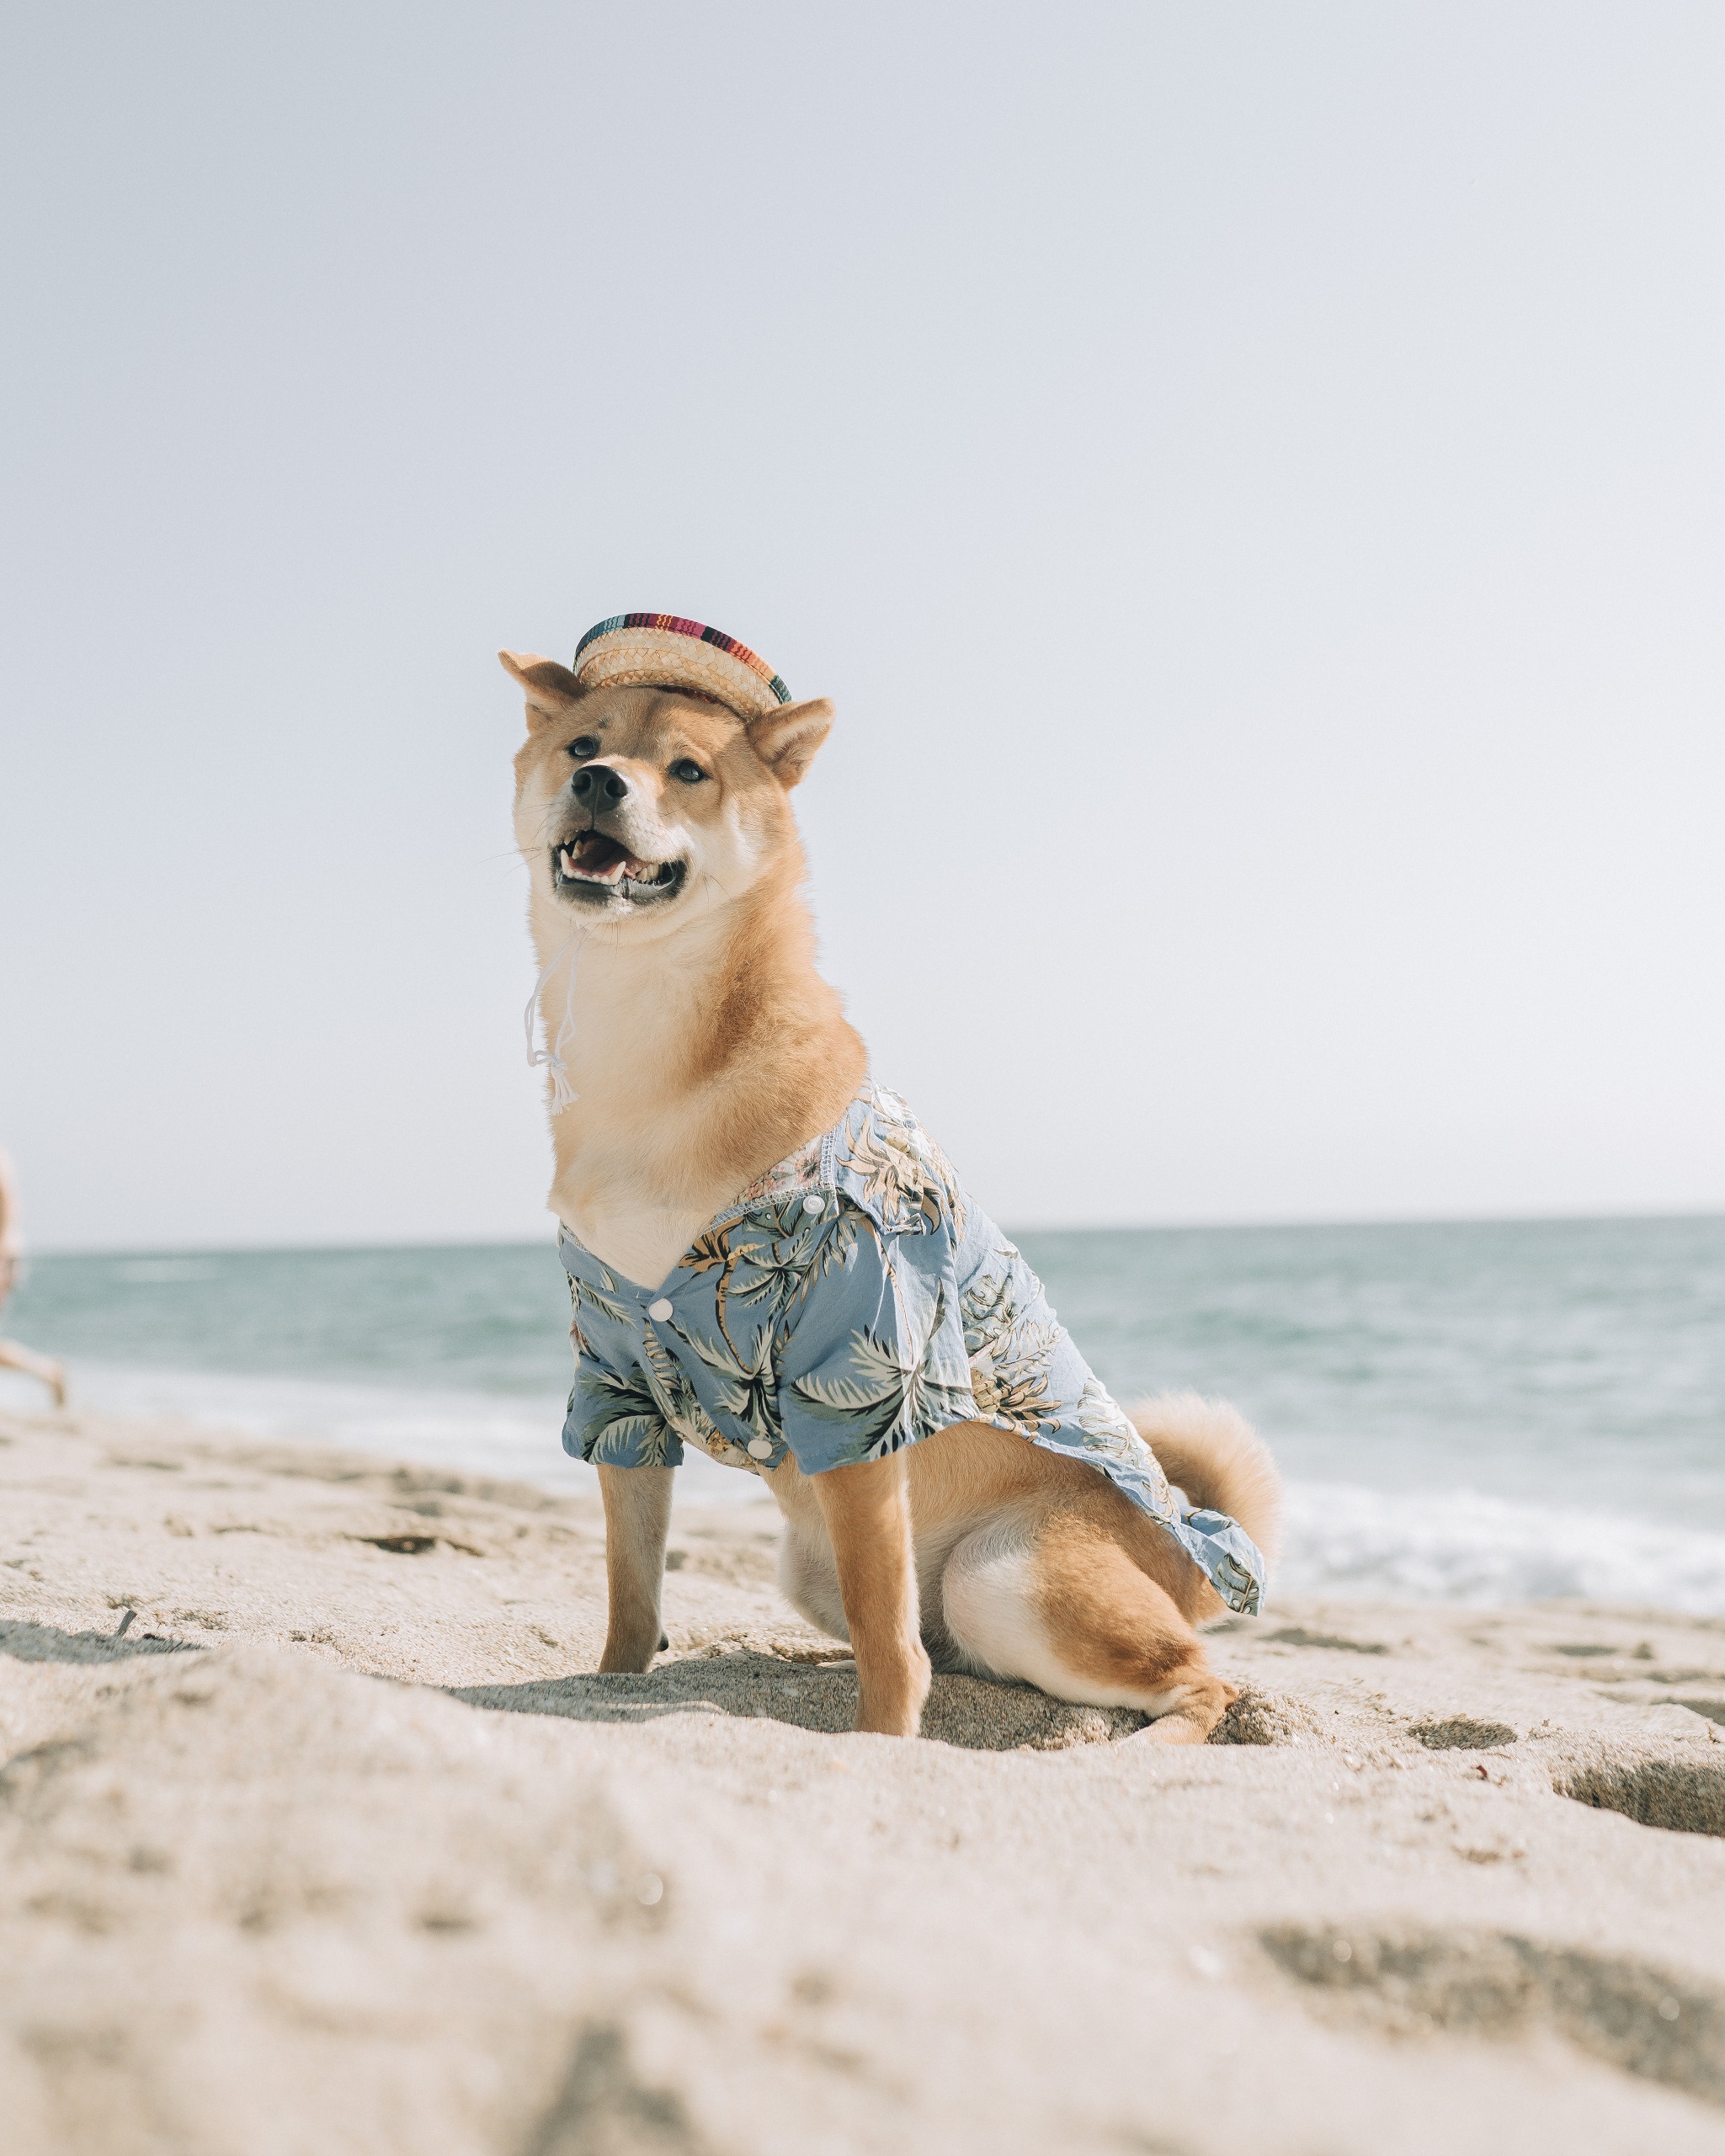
1286, 1224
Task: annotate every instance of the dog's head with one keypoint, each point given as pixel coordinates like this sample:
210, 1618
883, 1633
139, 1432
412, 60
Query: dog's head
643, 803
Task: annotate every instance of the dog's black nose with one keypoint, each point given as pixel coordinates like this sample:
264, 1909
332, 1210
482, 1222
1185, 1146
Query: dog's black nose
597, 786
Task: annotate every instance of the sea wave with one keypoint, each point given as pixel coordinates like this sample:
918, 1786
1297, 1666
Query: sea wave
1461, 1545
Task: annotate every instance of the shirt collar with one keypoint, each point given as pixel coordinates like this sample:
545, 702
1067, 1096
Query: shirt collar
876, 1153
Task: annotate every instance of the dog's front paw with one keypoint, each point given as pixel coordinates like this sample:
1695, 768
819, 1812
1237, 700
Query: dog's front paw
890, 1702
630, 1658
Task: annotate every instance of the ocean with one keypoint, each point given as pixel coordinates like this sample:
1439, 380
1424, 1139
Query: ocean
1471, 1412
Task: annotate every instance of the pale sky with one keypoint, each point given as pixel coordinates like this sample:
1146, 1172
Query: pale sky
1251, 479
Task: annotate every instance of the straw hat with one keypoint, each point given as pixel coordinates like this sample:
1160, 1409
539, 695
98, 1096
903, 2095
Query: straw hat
667, 652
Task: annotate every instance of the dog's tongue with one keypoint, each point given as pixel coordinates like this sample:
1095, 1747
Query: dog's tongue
601, 859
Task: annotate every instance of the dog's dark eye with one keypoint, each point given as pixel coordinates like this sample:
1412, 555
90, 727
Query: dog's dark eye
584, 744
689, 772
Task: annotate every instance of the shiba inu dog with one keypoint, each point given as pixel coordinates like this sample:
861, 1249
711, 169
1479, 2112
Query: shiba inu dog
769, 1258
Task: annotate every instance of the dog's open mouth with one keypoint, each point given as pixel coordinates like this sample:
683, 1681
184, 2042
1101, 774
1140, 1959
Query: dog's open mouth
593, 865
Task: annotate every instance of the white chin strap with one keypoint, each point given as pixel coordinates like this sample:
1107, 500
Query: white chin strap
563, 1094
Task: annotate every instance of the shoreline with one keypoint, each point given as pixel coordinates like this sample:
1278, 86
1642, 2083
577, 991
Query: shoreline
251, 1895
1446, 1543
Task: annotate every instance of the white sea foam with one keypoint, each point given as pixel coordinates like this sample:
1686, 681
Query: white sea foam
472, 1433
1460, 1545
1457, 1546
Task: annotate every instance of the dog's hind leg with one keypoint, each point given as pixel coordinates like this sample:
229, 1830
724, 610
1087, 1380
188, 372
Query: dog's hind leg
808, 1577
1056, 1601
637, 1519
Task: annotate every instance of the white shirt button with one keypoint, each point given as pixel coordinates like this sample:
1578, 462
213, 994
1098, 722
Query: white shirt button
659, 1311
760, 1448
814, 1203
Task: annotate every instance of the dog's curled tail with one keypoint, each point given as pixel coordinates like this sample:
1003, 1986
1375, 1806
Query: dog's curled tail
1211, 1451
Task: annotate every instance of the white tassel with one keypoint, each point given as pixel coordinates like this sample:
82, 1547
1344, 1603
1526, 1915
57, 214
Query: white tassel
563, 1094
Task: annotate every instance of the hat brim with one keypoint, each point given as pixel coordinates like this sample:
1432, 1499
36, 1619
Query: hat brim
631, 656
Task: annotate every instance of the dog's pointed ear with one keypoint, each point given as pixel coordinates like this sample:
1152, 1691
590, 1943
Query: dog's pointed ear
551, 688
785, 740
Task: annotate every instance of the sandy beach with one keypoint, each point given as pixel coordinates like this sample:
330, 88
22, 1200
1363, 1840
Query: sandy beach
318, 1835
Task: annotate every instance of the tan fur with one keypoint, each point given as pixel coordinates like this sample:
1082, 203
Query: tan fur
1209, 1450
865, 1511
1112, 1598
706, 1047
637, 1503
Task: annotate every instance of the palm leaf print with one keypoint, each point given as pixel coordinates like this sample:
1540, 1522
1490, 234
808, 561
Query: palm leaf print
904, 1174
779, 1270
710, 1252
606, 1304
887, 1396
711, 1248
576, 1334
991, 1303
945, 1181
677, 1402
775, 1266
748, 1383
1011, 1356
623, 1427
747, 1263
1106, 1426
882, 1164
762, 1264
1014, 1377
824, 1246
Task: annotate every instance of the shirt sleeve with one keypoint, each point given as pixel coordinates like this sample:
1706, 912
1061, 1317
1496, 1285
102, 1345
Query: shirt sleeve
614, 1420
875, 1359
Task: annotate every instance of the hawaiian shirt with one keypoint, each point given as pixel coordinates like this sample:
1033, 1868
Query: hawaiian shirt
849, 1302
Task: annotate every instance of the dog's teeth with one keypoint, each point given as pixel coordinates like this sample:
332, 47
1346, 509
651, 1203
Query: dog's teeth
644, 876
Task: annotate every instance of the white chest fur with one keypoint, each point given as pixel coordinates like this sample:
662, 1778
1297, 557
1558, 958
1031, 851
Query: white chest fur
641, 1243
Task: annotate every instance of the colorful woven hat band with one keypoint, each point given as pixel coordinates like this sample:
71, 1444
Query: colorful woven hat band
664, 650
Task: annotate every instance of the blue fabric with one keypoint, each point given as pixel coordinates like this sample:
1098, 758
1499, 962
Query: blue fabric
851, 1302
